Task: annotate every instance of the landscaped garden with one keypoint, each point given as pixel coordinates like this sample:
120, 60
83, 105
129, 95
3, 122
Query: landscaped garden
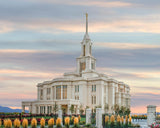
74, 121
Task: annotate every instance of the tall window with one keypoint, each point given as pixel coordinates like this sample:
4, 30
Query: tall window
77, 88
76, 97
84, 50
64, 91
93, 99
93, 88
41, 94
48, 91
58, 92
90, 50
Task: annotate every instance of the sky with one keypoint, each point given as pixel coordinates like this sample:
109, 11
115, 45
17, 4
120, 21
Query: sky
40, 40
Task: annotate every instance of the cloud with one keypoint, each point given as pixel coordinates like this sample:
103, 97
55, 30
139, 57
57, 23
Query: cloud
99, 3
57, 27
140, 101
126, 45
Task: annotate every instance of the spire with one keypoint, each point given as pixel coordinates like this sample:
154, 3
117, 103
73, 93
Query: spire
86, 23
86, 36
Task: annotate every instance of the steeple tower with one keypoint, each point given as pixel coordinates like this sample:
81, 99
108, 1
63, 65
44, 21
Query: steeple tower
86, 62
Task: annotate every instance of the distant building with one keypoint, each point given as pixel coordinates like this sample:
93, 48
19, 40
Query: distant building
84, 87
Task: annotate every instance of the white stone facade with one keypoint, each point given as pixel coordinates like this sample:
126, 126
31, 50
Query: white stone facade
85, 87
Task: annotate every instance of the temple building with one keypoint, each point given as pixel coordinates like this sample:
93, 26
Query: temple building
83, 87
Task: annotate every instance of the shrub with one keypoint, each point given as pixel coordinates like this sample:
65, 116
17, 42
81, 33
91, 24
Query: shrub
76, 122
67, 122
17, 123
25, 123
7, 123
126, 120
58, 123
130, 120
0, 122
72, 119
122, 120
112, 121
118, 121
79, 117
106, 121
33, 123
88, 125
50, 123
42, 122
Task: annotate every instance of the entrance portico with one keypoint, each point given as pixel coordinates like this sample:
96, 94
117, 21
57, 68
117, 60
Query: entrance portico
46, 107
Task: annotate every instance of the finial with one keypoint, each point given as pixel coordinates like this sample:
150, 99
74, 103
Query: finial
86, 23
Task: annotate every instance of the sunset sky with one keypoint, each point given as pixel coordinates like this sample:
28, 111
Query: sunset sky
40, 40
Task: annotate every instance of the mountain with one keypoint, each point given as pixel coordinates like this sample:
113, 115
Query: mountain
9, 110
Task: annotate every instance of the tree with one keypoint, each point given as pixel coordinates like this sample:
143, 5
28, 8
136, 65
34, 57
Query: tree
116, 109
122, 110
81, 110
55, 108
72, 109
128, 111
63, 109
106, 107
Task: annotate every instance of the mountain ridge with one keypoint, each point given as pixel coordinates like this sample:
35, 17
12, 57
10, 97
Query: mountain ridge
10, 110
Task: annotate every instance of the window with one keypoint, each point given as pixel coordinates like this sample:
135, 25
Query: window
77, 88
64, 91
76, 97
58, 92
48, 91
93, 99
84, 50
41, 94
49, 109
93, 88
90, 50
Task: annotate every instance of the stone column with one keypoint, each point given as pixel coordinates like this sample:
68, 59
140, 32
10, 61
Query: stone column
46, 109
30, 109
99, 117
54, 92
151, 114
61, 92
88, 116
23, 108
77, 109
60, 115
51, 94
38, 109
68, 111
59, 107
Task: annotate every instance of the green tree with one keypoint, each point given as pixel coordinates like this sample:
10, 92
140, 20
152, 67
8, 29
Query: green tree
81, 110
55, 108
128, 111
106, 107
116, 109
122, 110
72, 109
